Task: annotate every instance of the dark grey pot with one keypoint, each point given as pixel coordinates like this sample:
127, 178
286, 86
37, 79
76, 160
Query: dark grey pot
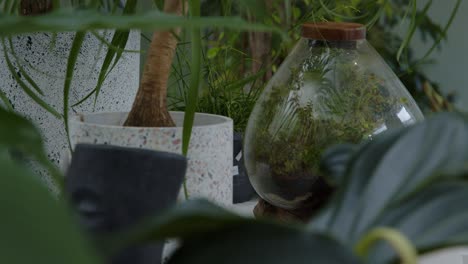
113, 188
243, 190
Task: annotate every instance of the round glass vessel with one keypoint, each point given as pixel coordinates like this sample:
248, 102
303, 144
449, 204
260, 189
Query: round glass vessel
333, 88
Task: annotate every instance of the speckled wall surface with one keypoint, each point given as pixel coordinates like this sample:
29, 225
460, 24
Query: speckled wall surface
47, 67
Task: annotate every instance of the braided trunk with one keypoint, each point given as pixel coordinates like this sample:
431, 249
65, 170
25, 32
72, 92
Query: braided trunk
150, 106
35, 7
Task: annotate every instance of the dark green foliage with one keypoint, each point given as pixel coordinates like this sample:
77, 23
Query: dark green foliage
21, 137
35, 227
412, 180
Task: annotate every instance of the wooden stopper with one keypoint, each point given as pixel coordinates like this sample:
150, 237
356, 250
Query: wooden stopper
334, 31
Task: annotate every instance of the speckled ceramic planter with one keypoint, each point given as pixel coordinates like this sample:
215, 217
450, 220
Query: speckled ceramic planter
47, 67
209, 172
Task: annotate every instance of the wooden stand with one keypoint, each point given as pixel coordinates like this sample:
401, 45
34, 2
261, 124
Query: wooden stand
266, 210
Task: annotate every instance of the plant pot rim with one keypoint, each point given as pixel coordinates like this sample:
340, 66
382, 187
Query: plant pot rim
215, 120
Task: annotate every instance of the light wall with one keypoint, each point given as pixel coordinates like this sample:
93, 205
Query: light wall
451, 70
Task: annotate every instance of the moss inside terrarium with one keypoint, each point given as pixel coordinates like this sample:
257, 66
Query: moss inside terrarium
328, 100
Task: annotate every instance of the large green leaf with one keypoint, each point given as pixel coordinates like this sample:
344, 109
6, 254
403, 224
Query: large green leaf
411, 180
188, 219
17, 133
82, 20
336, 217
211, 234
335, 161
260, 243
432, 219
35, 228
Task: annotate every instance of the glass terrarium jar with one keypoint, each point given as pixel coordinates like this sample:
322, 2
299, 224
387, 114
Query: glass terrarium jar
333, 88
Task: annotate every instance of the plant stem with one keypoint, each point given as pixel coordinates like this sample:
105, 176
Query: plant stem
397, 240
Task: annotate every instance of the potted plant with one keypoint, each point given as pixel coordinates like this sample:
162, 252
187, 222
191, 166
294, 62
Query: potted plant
395, 200
211, 152
149, 124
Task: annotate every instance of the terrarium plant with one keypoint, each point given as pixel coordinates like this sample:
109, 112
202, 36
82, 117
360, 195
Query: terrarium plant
333, 88
293, 133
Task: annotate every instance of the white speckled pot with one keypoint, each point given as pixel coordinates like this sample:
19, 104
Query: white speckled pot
47, 67
209, 172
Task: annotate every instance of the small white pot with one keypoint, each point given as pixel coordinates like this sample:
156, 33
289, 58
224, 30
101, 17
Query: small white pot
209, 172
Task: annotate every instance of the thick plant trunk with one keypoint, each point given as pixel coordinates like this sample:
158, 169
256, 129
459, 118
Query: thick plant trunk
260, 47
35, 7
150, 105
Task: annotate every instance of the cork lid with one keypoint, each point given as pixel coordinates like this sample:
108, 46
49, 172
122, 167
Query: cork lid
334, 31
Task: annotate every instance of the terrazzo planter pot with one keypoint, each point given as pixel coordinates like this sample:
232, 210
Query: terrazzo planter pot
47, 67
114, 188
209, 171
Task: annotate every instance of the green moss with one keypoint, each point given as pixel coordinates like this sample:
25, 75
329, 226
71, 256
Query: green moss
293, 131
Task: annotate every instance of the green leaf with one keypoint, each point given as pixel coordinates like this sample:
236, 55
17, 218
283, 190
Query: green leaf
341, 16
257, 9
412, 180
412, 28
17, 133
119, 40
21, 69
437, 145
417, 217
25, 87
444, 32
5, 100
195, 69
189, 219
434, 218
406, 251
72, 58
35, 227
204, 227
334, 217
212, 52
261, 243
83, 20
335, 161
